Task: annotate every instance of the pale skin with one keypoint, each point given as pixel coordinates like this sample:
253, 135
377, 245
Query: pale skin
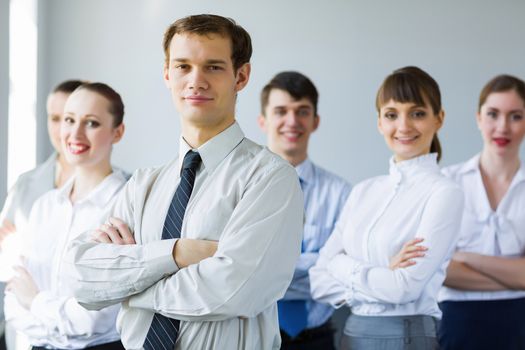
408, 130
203, 83
502, 125
288, 124
87, 134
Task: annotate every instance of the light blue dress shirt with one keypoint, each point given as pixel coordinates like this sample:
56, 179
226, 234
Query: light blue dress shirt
324, 197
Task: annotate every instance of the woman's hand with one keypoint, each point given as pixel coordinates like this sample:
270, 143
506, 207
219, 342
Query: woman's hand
23, 287
410, 250
6, 229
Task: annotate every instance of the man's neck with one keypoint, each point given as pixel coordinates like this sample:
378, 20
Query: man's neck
197, 136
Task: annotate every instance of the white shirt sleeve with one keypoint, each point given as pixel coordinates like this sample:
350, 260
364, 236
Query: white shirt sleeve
254, 262
323, 286
106, 274
439, 227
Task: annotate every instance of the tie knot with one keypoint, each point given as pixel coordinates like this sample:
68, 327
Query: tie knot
191, 160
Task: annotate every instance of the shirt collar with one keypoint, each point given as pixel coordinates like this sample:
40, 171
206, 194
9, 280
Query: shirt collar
424, 163
305, 171
101, 194
215, 149
472, 165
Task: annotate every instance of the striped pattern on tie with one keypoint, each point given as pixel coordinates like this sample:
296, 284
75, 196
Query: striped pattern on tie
163, 331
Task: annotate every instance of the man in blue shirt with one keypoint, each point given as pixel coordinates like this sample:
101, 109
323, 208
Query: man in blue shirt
288, 117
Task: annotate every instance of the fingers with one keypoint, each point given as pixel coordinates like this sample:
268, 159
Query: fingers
112, 233
406, 263
123, 229
8, 225
101, 237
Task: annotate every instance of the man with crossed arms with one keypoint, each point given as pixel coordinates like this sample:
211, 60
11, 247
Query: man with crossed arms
222, 187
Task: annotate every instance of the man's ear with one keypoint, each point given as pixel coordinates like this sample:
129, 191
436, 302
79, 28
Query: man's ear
166, 75
261, 121
242, 76
317, 121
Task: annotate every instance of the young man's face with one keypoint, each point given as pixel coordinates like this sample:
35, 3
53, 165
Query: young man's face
288, 124
202, 80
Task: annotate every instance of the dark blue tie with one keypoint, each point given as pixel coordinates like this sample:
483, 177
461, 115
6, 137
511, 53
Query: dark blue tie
163, 331
293, 317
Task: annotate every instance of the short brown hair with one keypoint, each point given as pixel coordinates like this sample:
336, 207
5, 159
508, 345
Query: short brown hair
205, 24
414, 85
296, 84
502, 83
116, 106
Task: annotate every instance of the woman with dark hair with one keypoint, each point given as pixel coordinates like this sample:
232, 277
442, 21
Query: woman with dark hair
484, 291
395, 308
39, 301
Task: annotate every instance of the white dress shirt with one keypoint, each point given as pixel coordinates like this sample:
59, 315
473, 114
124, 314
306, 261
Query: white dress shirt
17, 206
381, 214
324, 197
245, 197
55, 318
485, 231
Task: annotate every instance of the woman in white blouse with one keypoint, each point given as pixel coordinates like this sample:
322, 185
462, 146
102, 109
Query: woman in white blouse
485, 285
395, 308
39, 300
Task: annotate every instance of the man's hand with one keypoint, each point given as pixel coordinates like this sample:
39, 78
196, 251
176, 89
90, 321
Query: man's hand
114, 231
410, 250
191, 251
23, 287
7, 228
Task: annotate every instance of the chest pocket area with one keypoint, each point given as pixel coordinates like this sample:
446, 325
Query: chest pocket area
314, 237
207, 220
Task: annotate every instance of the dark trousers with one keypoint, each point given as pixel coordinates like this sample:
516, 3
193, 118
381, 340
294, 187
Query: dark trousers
117, 345
482, 325
2, 343
318, 338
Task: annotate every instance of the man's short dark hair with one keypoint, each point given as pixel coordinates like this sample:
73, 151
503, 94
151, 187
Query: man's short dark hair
206, 24
296, 84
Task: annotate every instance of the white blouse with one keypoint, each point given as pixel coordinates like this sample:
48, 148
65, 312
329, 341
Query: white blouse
55, 318
485, 231
381, 214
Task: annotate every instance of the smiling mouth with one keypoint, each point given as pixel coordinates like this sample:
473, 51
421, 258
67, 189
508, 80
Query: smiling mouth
290, 135
406, 140
77, 148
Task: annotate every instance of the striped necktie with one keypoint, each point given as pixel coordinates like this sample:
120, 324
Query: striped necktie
163, 331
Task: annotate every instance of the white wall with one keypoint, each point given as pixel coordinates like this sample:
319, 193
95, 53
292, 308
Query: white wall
346, 47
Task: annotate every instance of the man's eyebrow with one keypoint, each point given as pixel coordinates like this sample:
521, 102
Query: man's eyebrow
210, 61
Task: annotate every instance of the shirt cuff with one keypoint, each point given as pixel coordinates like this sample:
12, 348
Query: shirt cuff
39, 306
159, 257
346, 270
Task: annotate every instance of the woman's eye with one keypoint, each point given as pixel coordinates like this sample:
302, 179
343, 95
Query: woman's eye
492, 114
390, 115
516, 117
419, 114
92, 123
